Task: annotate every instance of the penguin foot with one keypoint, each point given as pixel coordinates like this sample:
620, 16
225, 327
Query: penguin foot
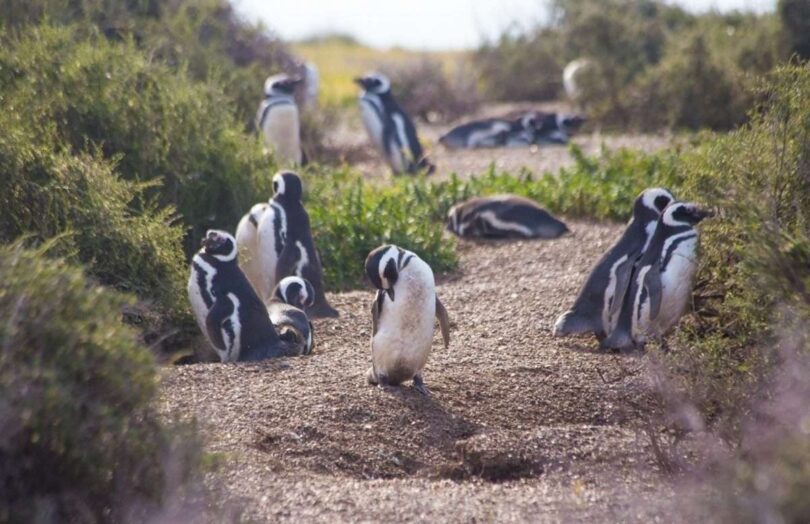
371, 377
419, 385
323, 310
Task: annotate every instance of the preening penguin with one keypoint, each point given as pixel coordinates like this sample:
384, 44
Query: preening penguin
226, 307
503, 216
247, 242
277, 119
390, 129
599, 302
662, 281
286, 308
285, 243
402, 316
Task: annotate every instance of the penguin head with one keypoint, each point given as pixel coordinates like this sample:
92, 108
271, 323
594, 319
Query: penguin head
376, 83
651, 203
684, 214
456, 219
287, 185
219, 244
295, 291
281, 85
570, 123
383, 266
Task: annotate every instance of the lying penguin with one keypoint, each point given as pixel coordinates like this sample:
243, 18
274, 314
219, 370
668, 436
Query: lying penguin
503, 216
523, 130
492, 132
227, 309
286, 309
402, 317
661, 285
596, 309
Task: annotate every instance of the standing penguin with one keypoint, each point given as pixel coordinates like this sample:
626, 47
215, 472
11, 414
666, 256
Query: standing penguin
286, 308
402, 316
247, 241
503, 216
227, 309
389, 127
599, 302
285, 243
277, 119
662, 281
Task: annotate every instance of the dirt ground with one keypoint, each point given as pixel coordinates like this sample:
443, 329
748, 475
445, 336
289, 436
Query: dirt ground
520, 426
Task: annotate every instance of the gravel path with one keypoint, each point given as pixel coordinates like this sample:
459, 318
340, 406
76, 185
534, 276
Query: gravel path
520, 426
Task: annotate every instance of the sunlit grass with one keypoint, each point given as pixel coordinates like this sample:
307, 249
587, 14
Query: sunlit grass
339, 61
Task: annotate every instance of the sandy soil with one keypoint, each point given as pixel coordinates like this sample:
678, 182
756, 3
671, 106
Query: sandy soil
519, 427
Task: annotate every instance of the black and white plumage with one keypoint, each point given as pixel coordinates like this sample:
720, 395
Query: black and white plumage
492, 132
278, 121
599, 302
556, 128
285, 243
286, 308
227, 309
390, 129
523, 130
661, 285
503, 216
402, 316
247, 241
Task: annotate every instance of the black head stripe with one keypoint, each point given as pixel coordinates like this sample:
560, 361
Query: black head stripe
390, 272
662, 202
406, 262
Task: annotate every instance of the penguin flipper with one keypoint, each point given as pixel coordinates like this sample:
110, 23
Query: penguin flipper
623, 273
213, 325
444, 321
376, 310
652, 282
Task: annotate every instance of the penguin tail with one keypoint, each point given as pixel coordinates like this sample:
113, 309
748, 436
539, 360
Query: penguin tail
425, 166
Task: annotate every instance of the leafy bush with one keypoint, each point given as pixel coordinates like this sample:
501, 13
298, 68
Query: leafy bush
65, 88
81, 439
425, 90
520, 67
102, 221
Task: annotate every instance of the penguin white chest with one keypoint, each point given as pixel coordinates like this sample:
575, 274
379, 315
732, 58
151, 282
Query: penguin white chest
271, 236
371, 110
401, 346
200, 282
247, 241
677, 279
282, 133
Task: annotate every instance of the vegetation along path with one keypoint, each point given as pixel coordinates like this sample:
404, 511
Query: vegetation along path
520, 426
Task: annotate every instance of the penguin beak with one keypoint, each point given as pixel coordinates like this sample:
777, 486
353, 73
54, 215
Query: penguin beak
700, 213
390, 292
360, 81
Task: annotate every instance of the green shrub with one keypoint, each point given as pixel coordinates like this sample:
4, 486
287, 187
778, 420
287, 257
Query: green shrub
520, 67
158, 125
350, 217
81, 439
426, 91
104, 222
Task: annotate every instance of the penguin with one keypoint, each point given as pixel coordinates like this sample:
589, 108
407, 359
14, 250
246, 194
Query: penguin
277, 119
247, 243
227, 309
503, 216
402, 316
599, 302
492, 132
391, 130
285, 243
286, 309
556, 128
662, 281
572, 80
